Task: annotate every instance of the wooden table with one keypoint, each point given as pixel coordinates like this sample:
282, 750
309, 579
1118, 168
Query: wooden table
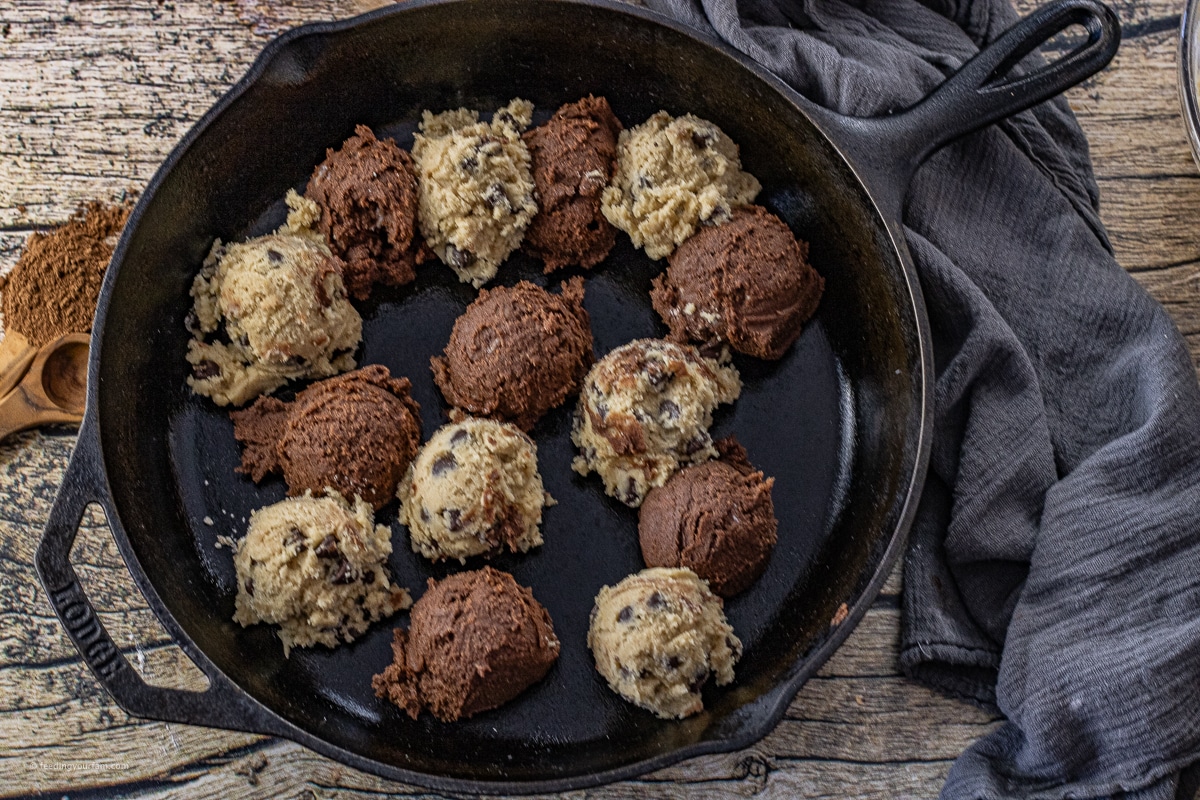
94, 95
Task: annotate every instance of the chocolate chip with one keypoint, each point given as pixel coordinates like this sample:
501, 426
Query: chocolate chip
469, 163
702, 139
668, 409
344, 351
444, 463
505, 118
250, 587
657, 375
630, 496
244, 340
424, 514
328, 548
205, 369
459, 259
460, 435
602, 411
495, 197
295, 538
368, 578
673, 663
297, 361
719, 217
454, 521
698, 681
626, 673
655, 601
697, 443
342, 574
644, 182
274, 256
625, 614
192, 322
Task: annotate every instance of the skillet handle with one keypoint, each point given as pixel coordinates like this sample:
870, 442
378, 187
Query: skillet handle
222, 705
981, 92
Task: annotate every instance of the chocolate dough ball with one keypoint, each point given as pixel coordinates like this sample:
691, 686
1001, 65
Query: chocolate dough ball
516, 353
716, 518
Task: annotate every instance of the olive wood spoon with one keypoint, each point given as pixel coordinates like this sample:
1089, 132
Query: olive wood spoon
53, 390
16, 354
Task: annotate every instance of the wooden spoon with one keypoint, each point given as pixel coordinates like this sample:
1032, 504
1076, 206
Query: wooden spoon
16, 354
52, 391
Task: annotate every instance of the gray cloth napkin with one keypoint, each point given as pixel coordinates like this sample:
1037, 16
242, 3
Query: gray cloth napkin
1054, 567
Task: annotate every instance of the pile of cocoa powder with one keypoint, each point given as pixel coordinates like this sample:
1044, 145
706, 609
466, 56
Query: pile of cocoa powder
53, 289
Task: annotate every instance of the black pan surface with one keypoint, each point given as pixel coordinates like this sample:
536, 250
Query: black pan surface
840, 421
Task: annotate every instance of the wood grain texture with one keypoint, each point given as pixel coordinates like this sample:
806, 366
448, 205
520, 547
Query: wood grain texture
92, 98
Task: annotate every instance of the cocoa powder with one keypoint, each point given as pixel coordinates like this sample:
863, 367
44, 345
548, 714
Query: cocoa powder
53, 289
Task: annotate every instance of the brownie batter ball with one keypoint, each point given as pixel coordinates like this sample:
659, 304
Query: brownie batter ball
356, 433
716, 519
475, 641
573, 157
516, 353
746, 282
367, 193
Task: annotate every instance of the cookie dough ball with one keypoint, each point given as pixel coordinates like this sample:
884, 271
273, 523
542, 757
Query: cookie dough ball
746, 282
516, 353
355, 433
475, 641
270, 310
475, 187
716, 519
574, 156
314, 566
644, 411
658, 637
367, 193
474, 489
673, 175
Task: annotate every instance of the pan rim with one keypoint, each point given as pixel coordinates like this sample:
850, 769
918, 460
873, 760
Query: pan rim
786, 690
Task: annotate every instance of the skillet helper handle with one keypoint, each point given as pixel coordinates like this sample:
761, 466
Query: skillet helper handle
982, 91
222, 705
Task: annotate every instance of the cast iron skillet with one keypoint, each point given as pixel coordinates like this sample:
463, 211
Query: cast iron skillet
842, 421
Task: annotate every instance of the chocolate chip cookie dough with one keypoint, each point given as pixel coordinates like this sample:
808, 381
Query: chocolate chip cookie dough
475, 187
270, 310
367, 193
516, 353
314, 566
658, 637
673, 175
474, 489
644, 411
